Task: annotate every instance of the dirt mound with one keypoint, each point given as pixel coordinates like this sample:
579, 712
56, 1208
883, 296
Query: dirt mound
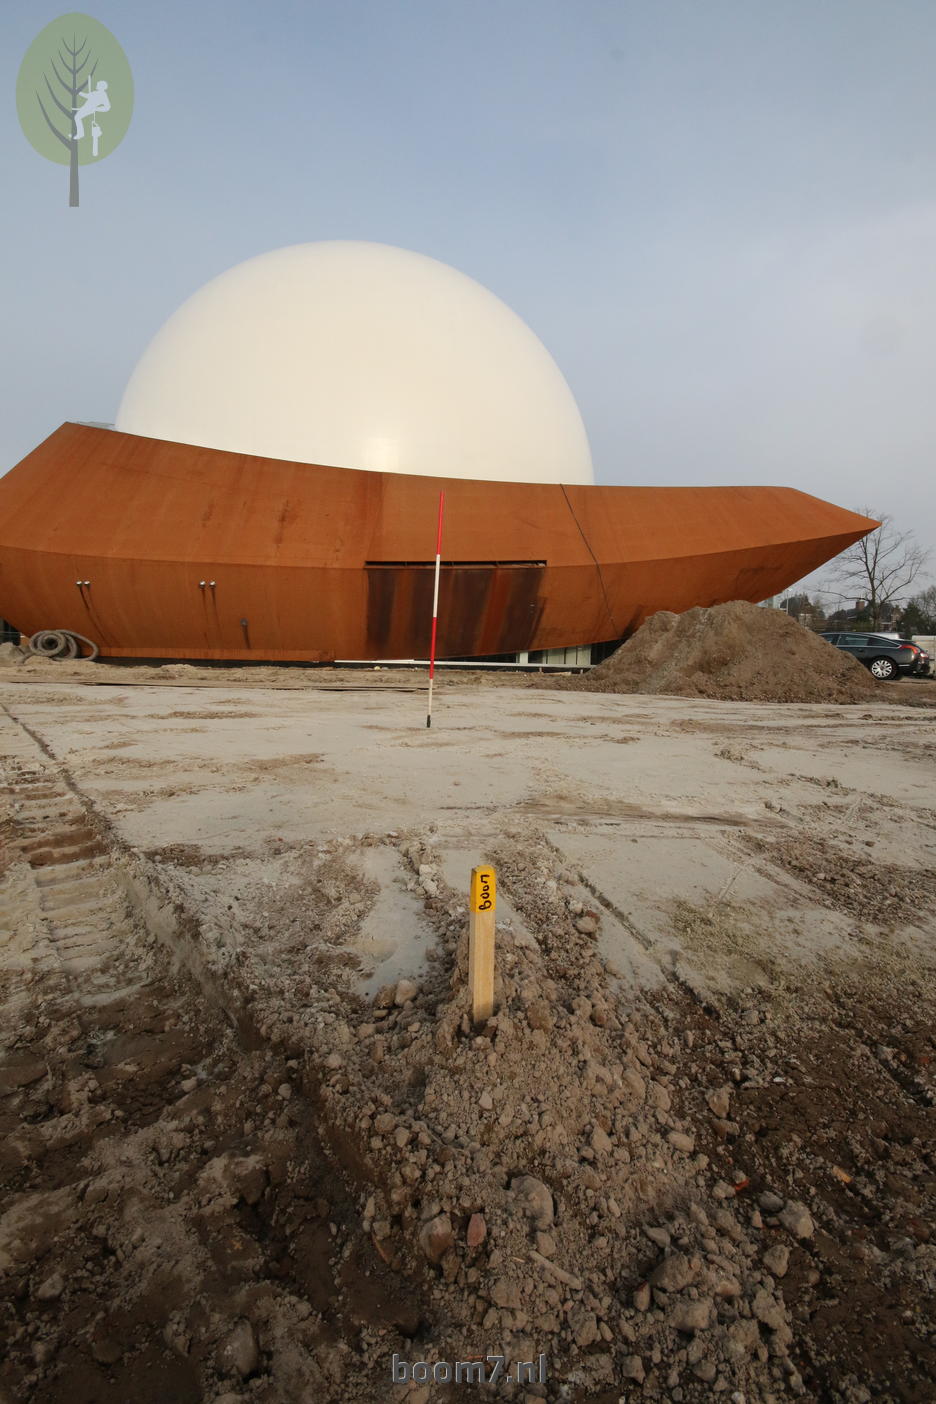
10, 655
734, 652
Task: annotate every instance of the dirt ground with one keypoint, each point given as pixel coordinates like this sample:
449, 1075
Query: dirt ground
253, 1147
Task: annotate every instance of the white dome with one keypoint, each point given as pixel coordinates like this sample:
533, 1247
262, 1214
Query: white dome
359, 355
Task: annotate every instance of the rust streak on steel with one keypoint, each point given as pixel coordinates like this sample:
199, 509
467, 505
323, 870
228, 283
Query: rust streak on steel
313, 562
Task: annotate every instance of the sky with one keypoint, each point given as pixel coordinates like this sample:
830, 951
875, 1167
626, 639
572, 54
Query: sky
718, 215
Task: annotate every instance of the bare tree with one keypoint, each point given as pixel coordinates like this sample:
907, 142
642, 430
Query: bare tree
926, 602
74, 59
882, 566
919, 616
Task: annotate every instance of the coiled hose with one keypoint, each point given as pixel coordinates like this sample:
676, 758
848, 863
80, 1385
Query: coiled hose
61, 643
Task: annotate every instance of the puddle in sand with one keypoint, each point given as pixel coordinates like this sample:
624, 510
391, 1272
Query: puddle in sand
393, 938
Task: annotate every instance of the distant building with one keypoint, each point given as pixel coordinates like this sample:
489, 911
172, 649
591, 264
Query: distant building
271, 490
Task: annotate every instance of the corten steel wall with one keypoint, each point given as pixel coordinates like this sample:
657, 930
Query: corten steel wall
317, 563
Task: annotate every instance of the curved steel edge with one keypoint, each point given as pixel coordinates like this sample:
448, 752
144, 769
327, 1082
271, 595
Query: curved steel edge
312, 562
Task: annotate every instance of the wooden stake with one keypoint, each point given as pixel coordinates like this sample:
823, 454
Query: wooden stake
482, 904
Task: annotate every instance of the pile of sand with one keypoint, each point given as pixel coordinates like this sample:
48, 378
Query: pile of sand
734, 652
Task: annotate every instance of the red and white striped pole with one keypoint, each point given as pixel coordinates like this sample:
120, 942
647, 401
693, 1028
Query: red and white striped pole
435, 607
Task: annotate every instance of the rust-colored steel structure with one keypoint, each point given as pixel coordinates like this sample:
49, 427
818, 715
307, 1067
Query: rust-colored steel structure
165, 550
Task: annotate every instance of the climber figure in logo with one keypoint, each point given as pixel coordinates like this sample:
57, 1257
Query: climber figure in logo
96, 101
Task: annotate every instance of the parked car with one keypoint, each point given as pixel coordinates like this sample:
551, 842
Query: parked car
928, 644
885, 658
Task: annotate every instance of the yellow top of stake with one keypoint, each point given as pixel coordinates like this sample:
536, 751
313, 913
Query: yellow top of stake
483, 894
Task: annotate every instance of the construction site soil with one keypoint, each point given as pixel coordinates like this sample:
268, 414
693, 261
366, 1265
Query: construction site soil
253, 1147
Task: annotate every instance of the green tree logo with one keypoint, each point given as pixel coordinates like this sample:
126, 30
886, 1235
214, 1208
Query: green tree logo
74, 94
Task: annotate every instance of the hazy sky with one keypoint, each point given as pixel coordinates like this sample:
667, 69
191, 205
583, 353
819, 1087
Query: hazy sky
719, 215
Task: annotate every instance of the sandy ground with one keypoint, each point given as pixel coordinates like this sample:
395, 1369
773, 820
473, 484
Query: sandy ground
212, 895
